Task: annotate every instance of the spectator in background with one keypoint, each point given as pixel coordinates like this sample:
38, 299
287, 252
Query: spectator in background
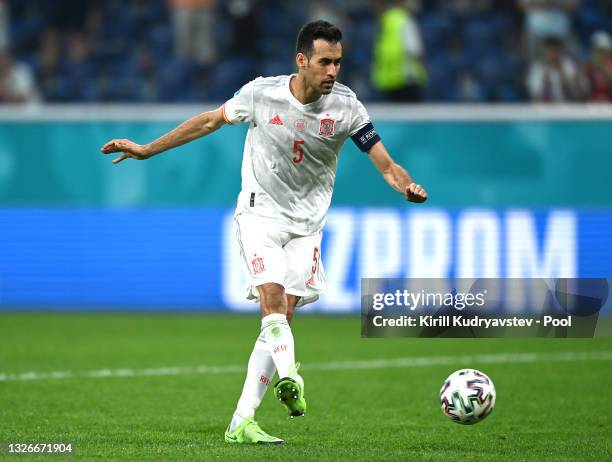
545, 19
16, 82
245, 17
193, 23
554, 78
599, 68
398, 71
49, 65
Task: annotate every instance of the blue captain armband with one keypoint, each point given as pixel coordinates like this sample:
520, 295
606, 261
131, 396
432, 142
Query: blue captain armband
366, 137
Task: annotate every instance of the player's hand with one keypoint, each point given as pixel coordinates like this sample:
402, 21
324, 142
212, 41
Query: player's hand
416, 193
127, 147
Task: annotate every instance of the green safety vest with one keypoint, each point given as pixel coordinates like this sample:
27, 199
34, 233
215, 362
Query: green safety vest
393, 67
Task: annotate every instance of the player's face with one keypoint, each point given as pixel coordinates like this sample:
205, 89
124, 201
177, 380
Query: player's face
323, 66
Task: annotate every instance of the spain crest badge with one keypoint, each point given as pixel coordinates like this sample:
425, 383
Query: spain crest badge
327, 127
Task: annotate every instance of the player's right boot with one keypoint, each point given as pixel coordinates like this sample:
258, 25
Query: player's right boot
248, 432
290, 392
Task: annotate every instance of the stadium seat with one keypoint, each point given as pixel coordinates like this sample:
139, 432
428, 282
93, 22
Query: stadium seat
441, 71
228, 77
436, 28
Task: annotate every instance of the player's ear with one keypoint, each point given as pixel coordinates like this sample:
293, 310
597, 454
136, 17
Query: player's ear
301, 60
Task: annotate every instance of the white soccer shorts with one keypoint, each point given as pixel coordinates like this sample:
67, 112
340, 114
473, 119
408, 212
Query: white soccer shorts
270, 254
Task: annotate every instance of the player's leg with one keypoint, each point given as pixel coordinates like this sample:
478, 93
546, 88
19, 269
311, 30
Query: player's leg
276, 332
290, 389
303, 275
264, 260
292, 301
275, 329
272, 298
260, 371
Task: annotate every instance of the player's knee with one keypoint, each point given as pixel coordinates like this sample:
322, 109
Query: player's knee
272, 298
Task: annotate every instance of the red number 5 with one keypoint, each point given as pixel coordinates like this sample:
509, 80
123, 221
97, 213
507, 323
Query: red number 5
297, 149
315, 259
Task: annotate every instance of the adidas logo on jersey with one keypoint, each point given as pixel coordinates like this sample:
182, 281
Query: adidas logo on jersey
276, 121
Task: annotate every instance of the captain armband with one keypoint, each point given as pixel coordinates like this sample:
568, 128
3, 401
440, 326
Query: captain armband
366, 137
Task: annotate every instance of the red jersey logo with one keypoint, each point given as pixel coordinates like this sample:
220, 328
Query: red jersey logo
276, 120
258, 265
327, 127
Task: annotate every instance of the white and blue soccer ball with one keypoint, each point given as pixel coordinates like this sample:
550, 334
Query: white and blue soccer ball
467, 396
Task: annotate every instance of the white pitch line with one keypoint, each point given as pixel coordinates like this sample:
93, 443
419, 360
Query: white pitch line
424, 361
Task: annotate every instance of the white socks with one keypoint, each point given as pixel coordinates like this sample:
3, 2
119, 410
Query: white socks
274, 350
259, 375
277, 334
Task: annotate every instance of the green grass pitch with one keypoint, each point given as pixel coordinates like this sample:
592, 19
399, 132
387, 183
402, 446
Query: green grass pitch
547, 409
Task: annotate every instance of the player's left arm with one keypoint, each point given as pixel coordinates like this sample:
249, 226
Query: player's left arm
394, 174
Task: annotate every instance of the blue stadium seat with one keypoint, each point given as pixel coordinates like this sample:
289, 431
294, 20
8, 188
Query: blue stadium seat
441, 73
359, 46
161, 42
436, 28
279, 67
510, 93
228, 77
480, 32
588, 20
175, 78
499, 74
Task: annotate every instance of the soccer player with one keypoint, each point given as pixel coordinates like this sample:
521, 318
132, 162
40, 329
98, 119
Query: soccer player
297, 126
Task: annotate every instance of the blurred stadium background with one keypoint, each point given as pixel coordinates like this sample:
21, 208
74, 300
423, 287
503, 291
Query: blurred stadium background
517, 189
190, 51
503, 115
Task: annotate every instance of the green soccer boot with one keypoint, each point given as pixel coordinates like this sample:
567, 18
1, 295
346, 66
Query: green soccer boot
248, 432
290, 392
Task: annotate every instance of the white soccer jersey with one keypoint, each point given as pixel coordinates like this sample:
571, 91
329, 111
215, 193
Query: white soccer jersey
291, 150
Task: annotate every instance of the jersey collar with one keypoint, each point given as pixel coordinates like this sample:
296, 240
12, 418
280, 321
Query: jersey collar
294, 101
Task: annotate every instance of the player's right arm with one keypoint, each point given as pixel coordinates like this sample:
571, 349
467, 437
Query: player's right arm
194, 128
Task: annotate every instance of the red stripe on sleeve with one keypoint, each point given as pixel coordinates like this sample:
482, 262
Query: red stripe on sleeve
224, 115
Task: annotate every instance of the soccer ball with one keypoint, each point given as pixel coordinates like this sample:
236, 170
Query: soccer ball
467, 396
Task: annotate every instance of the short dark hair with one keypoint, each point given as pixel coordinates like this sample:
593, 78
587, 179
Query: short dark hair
316, 30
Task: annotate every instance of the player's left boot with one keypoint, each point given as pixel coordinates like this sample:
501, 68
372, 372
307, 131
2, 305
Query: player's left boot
248, 432
290, 392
